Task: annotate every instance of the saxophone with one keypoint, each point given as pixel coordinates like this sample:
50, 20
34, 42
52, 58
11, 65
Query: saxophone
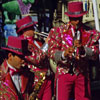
34, 94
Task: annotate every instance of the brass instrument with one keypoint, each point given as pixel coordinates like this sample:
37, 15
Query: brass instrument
34, 94
42, 35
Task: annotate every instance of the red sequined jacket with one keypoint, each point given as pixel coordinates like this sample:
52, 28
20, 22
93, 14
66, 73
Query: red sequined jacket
8, 90
39, 66
60, 38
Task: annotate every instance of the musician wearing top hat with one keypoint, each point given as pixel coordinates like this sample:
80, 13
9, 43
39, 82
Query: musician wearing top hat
42, 80
14, 79
71, 46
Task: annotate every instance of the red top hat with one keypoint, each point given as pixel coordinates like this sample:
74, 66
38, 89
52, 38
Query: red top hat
75, 9
24, 23
17, 45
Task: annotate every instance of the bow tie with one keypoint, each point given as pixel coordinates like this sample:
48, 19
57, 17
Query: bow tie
13, 72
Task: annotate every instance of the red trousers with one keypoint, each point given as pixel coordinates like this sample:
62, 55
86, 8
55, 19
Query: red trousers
65, 85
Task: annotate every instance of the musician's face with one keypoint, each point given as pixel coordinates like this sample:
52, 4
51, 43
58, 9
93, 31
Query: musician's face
28, 32
76, 21
15, 60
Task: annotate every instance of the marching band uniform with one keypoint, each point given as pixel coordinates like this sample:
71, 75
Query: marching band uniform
45, 92
71, 71
42, 80
8, 89
14, 84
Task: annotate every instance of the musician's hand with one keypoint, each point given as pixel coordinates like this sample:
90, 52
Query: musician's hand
46, 40
69, 52
30, 47
77, 43
80, 47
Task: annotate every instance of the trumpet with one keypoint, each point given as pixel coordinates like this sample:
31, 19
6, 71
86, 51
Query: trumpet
42, 34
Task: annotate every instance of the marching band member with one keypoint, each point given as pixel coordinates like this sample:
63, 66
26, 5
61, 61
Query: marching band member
39, 60
71, 46
15, 79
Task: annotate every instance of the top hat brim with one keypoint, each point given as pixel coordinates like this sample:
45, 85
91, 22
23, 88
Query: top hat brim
8, 49
27, 26
28, 53
75, 15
